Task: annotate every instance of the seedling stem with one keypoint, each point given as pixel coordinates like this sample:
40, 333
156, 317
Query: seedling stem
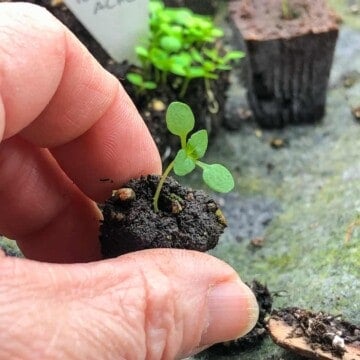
180, 121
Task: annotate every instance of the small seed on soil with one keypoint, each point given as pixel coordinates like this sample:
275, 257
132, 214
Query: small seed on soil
157, 105
278, 143
117, 216
212, 206
176, 208
125, 194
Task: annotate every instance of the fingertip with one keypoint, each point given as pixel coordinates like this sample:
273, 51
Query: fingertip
232, 312
31, 38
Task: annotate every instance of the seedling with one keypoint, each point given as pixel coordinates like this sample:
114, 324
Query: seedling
140, 83
180, 122
287, 12
181, 47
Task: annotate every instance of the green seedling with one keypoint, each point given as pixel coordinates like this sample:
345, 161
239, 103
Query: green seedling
287, 12
140, 83
176, 49
180, 122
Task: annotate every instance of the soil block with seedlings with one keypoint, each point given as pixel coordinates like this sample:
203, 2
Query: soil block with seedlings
157, 212
183, 58
187, 219
289, 46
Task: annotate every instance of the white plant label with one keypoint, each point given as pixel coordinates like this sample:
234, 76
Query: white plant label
118, 25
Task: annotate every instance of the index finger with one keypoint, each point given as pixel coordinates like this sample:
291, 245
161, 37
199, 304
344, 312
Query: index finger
56, 95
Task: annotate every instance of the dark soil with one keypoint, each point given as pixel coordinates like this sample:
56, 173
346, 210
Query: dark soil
256, 335
187, 219
321, 331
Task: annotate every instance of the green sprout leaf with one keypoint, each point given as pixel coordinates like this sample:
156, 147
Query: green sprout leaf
197, 144
183, 164
179, 119
218, 177
170, 43
135, 78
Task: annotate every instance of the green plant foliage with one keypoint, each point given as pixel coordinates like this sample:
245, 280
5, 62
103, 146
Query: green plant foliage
180, 121
182, 44
140, 82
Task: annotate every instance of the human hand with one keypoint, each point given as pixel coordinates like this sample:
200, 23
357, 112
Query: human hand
65, 123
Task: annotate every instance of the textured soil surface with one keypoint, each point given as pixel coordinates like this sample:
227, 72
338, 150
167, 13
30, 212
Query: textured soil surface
187, 219
261, 20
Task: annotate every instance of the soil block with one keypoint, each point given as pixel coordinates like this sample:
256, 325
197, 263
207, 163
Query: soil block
187, 219
288, 61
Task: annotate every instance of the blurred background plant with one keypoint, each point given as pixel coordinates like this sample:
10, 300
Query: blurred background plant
181, 46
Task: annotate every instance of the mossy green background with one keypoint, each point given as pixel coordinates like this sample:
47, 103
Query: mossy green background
316, 180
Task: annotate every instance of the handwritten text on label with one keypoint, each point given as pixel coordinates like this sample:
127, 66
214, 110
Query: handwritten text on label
105, 4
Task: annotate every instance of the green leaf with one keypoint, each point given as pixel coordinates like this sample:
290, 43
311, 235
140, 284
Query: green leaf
135, 79
196, 72
142, 52
197, 144
217, 32
170, 43
183, 164
150, 85
218, 177
179, 119
234, 55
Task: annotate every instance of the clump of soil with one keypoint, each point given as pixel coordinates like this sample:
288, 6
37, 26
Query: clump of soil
316, 335
257, 334
187, 219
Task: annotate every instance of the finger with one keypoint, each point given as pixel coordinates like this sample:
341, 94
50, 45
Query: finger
114, 149
156, 304
42, 209
77, 106
39, 57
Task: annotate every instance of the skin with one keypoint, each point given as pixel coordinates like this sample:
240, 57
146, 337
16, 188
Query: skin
65, 123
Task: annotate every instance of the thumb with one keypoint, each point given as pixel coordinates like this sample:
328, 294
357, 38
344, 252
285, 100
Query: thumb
154, 304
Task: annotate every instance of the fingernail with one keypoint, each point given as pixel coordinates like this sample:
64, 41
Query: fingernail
232, 312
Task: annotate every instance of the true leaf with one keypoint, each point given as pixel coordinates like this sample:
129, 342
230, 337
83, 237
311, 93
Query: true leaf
218, 177
150, 85
234, 55
179, 119
197, 144
183, 164
135, 79
170, 43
